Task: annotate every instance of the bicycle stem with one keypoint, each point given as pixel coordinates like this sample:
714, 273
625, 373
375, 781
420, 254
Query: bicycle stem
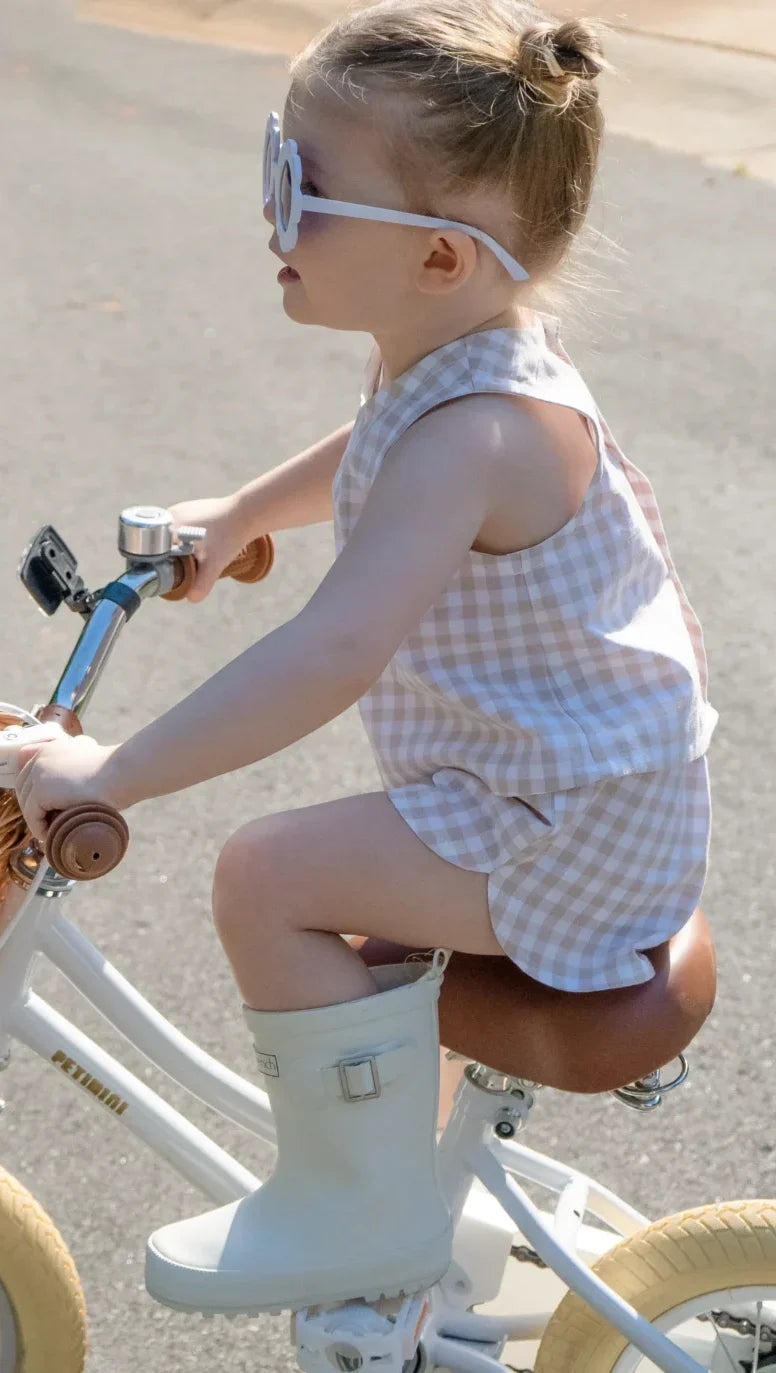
118, 602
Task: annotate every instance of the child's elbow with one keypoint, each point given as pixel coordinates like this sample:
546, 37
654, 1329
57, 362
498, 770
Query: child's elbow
347, 653
362, 659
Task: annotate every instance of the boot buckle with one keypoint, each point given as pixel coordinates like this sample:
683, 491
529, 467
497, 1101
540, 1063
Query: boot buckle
359, 1078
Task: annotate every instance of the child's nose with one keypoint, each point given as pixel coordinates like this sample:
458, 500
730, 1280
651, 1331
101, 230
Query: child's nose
269, 210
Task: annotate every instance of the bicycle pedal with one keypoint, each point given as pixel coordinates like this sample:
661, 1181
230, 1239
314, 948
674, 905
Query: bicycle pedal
357, 1333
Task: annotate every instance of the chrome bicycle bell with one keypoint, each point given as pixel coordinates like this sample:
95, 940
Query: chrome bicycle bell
148, 531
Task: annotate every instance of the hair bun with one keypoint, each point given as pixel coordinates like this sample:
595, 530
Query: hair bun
550, 57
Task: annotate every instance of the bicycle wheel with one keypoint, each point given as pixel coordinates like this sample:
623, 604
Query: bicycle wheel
688, 1275
42, 1309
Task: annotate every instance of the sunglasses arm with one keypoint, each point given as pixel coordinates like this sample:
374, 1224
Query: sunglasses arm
350, 211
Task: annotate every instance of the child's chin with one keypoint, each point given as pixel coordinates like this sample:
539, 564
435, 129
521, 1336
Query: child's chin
297, 306
293, 296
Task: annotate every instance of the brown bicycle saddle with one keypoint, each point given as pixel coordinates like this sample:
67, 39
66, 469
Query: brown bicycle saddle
494, 1013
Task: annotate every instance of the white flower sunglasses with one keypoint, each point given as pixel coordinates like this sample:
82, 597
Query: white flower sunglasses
282, 177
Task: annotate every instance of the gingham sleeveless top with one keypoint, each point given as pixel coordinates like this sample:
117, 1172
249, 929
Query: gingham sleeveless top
552, 667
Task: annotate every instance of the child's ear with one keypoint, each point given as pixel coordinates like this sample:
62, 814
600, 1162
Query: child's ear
450, 260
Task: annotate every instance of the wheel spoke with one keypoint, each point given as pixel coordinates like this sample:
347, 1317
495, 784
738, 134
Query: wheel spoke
736, 1367
758, 1327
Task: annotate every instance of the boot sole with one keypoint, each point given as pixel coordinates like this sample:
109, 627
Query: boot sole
407, 1286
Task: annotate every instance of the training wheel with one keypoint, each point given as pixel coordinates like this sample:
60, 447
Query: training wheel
87, 841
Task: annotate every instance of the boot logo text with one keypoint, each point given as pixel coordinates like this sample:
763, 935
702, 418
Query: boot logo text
267, 1063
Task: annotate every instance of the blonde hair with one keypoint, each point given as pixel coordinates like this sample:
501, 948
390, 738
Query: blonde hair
490, 93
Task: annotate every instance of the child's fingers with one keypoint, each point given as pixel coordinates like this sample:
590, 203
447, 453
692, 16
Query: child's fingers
203, 583
27, 752
35, 816
27, 755
209, 568
24, 781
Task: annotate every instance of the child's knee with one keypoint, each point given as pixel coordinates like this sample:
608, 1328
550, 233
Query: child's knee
242, 867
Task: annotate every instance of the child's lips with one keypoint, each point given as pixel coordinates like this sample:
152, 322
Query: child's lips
288, 274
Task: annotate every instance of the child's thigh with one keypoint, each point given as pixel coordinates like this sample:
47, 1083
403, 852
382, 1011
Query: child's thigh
354, 866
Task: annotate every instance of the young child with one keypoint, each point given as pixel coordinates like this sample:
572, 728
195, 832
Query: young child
503, 606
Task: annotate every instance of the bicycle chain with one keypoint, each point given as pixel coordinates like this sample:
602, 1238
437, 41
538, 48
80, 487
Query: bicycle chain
524, 1254
740, 1324
724, 1319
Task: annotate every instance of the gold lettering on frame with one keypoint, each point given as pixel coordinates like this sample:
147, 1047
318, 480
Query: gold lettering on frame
91, 1084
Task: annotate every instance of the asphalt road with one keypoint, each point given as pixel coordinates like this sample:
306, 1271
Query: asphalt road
145, 356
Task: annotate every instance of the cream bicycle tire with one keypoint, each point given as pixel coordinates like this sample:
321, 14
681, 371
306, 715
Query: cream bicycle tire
671, 1262
41, 1285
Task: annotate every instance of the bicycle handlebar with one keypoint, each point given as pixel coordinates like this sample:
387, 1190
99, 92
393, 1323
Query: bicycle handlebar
252, 564
89, 840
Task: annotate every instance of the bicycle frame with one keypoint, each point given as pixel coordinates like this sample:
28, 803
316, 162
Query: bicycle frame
470, 1147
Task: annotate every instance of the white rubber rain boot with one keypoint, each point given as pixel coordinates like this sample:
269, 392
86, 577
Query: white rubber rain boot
354, 1207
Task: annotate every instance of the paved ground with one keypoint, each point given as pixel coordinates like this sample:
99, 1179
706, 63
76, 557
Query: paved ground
145, 357
694, 78
736, 25
744, 27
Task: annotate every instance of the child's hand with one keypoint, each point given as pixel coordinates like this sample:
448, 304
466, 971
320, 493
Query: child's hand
62, 773
226, 536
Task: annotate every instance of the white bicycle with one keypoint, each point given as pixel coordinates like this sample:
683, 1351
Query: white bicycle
694, 1291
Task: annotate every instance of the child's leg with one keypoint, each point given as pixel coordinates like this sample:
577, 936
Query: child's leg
286, 886
450, 1073
378, 951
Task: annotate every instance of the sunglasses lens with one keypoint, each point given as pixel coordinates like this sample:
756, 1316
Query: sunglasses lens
285, 196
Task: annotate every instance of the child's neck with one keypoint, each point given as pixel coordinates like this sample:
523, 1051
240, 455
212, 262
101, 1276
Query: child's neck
398, 356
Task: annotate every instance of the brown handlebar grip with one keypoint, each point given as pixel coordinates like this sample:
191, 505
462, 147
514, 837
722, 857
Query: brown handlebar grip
253, 562
184, 570
251, 565
87, 841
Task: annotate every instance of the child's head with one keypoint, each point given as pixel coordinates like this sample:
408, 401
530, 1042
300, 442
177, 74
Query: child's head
484, 113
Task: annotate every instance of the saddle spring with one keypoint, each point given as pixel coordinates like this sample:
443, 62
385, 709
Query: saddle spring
648, 1092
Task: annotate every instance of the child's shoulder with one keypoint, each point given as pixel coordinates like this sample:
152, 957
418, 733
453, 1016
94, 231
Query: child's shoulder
548, 458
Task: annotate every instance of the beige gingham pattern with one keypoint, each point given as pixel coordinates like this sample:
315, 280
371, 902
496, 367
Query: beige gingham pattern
546, 721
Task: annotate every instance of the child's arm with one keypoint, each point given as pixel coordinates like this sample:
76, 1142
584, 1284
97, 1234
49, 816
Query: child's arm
296, 493
434, 489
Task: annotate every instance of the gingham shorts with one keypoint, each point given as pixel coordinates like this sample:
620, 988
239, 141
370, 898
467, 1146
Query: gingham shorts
579, 881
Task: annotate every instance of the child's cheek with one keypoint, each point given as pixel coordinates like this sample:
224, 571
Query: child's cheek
312, 226
321, 248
